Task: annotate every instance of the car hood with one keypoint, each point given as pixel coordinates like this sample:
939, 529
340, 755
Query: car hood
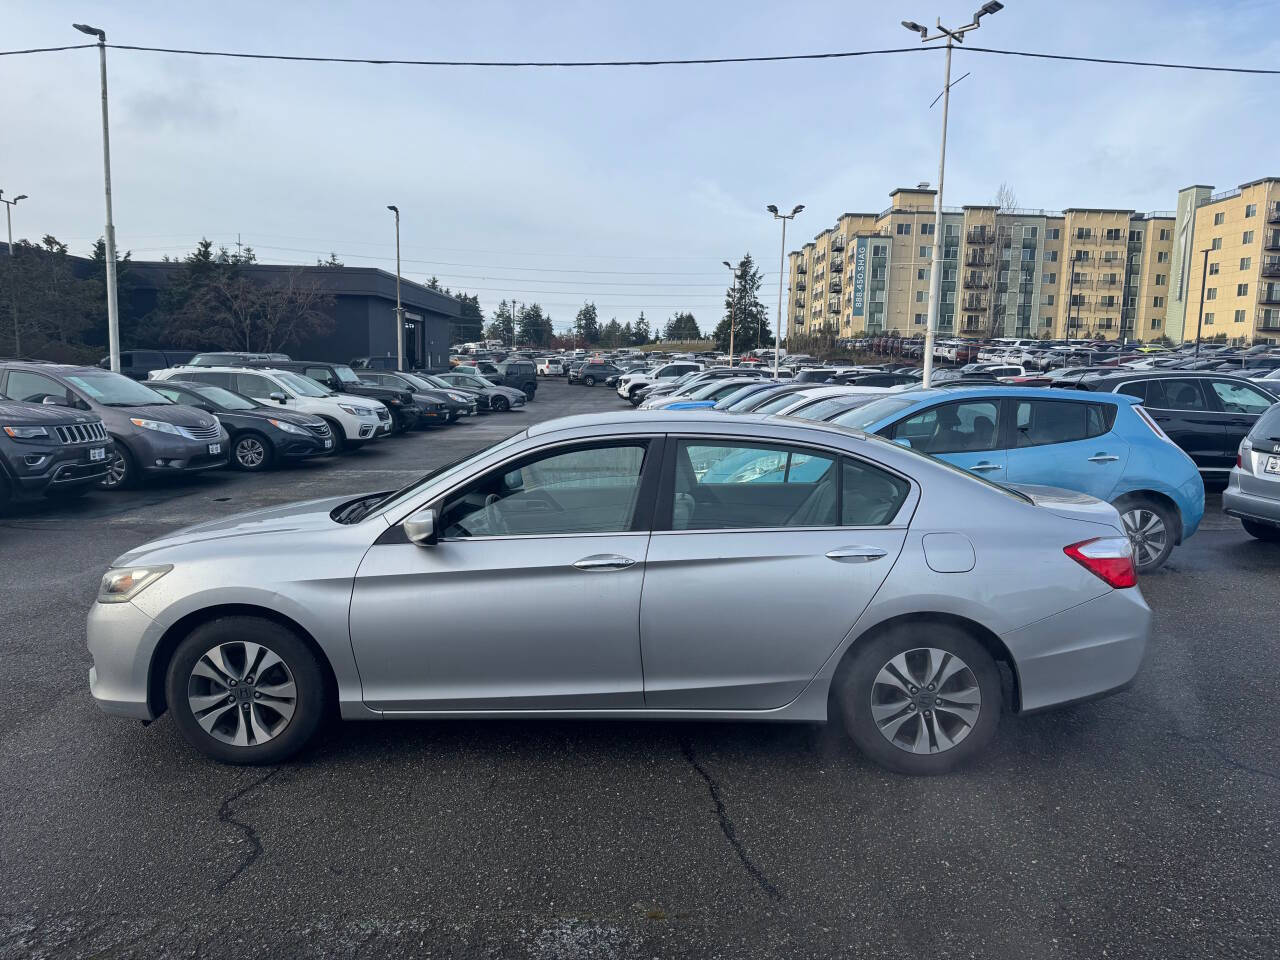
18, 413
287, 518
1070, 504
176, 413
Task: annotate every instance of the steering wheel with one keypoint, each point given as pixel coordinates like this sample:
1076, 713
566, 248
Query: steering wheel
491, 515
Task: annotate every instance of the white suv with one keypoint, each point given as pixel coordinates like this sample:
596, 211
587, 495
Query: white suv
549, 367
630, 383
353, 420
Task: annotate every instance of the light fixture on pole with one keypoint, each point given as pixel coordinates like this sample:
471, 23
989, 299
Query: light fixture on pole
113, 306
953, 36
782, 266
13, 298
733, 303
399, 309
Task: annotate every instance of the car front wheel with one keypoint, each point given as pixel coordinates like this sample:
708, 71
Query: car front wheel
252, 452
245, 690
122, 472
920, 699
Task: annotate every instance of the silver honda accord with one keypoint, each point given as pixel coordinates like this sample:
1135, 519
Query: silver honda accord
746, 568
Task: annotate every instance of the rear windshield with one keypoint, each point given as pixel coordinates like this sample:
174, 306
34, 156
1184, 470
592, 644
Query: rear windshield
1268, 425
862, 417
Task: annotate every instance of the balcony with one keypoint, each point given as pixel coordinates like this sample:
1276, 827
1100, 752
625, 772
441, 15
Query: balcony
1270, 293
1268, 319
977, 258
799, 301
837, 243
1109, 281
1272, 242
801, 285
976, 283
980, 235
835, 286
837, 264
1270, 267
976, 303
1273, 215
801, 269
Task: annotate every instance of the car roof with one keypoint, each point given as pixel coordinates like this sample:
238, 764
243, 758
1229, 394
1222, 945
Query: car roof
1162, 373
1041, 393
626, 422
44, 366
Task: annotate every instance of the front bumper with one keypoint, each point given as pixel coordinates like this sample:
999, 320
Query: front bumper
37, 468
1252, 498
122, 640
1087, 651
164, 453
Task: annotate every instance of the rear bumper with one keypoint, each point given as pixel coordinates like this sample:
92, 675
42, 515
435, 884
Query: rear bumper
1082, 653
1251, 504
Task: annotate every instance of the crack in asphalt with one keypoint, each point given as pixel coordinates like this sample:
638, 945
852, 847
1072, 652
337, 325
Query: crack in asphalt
1207, 745
726, 826
249, 830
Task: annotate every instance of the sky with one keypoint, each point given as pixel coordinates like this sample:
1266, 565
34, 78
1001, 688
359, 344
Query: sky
623, 186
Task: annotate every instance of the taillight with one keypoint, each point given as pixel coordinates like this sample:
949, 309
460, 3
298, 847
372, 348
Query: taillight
1155, 427
1110, 559
1244, 456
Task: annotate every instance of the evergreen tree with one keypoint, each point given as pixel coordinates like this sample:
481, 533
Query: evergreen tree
640, 334
503, 325
750, 317
586, 326
611, 334
535, 326
682, 326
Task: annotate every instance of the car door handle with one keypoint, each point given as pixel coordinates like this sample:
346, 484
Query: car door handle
604, 561
855, 554
985, 465
1103, 458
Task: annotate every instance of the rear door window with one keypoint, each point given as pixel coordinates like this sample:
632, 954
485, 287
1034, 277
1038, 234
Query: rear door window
254, 385
1177, 395
1060, 421
743, 486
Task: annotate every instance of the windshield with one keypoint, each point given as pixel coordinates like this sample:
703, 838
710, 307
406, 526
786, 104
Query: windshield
822, 409
775, 404
417, 382
345, 373
724, 403
225, 398
873, 412
115, 390
302, 386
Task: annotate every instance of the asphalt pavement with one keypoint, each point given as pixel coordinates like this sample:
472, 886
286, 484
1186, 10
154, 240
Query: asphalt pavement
1143, 825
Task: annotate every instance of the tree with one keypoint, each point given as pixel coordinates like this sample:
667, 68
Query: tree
749, 316
681, 326
503, 325
535, 326
640, 334
586, 326
611, 334
1006, 199
470, 323
333, 261
45, 308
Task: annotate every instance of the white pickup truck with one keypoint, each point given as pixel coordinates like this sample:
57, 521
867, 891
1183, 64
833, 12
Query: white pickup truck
629, 384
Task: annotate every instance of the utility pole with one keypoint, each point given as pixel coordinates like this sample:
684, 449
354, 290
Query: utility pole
782, 266
13, 290
399, 308
113, 306
935, 274
733, 305
1204, 276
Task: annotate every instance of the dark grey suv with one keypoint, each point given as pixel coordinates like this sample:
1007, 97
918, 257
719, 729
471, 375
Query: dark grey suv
49, 450
151, 434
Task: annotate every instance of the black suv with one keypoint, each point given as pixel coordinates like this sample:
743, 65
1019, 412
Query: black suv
137, 364
521, 374
596, 371
340, 378
50, 450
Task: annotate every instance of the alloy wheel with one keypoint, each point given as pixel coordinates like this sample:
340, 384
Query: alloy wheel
241, 693
925, 700
1147, 533
117, 472
250, 453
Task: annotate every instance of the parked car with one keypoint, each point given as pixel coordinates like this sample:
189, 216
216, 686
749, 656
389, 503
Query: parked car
259, 437
519, 374
150, 435
596, 371
491, 396
705, 395
549, 367
630, 384
437, 404
340, 378
478, 368
230, 359
1102, 445
1206, 414
49, 450
138, 364
908, 582
354, 421
1253, 489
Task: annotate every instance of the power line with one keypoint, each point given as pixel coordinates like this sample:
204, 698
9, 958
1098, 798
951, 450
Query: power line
1120, 62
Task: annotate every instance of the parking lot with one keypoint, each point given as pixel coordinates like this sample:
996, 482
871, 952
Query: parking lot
1140, 825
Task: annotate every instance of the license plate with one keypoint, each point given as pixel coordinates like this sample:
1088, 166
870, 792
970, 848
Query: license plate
1273, 465
328, 444
215, 448
97, 453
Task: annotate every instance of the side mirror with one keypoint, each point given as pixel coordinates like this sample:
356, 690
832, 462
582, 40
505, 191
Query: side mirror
49, 400
278, 397
420, 528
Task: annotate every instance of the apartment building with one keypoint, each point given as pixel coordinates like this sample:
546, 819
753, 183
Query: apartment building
1005, 272
1228, 246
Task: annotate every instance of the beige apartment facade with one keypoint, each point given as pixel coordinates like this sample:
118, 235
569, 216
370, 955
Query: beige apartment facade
1077, 273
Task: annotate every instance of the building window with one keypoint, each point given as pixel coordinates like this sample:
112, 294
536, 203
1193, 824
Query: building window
1213, 269
1048, 299
1211, 293
1049, 278
1216, 244
1164, 233
1208, 319
951, 229
1051, 256
1162, 256
1053, 233
1155, 323
904, 229
1135, 236
924, 253
1162, 277
926, 229
1031, 232
878, 250
1246, 263
1084, 233
1251, 210
1247, 237
1157, 301
1239, 318
1081, 256
1079, 278
919, 296
1242, 289
1218, 218
919, 319
922, 273
1047, 321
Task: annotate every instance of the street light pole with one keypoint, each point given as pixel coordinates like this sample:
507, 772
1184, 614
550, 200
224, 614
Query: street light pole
1204, 276
953, 36
782, 266
733, 304
399, 308
113, 306
13, 291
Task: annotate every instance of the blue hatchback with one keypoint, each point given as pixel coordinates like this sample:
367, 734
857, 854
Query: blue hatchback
1104, 445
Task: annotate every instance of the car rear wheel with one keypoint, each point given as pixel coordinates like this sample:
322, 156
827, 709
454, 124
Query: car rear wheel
1151, 528
245, 690
1260, 531
589, 380
122, 473
252, 452
920, 699
500, 404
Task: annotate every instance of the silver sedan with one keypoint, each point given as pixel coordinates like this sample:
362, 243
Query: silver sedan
747, 568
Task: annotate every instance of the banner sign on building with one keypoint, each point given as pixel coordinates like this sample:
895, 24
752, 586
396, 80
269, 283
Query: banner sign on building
860, 278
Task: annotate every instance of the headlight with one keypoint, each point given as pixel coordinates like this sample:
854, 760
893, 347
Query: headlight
157, 425
356, 411
26, 433
458, 397
120, 584
286, 427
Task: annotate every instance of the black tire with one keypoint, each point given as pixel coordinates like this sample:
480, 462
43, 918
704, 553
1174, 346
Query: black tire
632, 396
1146, 558
500, 404
854, 687
307, 676
252, 452
589, 381
339, 435
1260, 531
123, 473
